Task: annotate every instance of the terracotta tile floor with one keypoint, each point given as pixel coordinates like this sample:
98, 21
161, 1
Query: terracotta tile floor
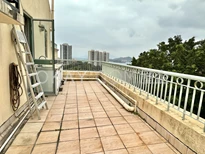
85, 118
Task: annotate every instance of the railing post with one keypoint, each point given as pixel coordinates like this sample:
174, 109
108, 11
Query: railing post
170, 92
148, 85
200, 104
186, 99
157, 95
141, 82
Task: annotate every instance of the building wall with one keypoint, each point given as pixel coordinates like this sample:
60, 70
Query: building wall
98, 56
40, 9
65, 51
36, 9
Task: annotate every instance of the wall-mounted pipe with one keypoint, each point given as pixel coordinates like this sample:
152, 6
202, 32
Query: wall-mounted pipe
125, 105
52, 9
14, 131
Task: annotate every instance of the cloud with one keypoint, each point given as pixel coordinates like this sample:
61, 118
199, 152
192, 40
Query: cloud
125, 27
190, 15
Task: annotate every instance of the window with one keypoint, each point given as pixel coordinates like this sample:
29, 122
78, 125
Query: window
15, 4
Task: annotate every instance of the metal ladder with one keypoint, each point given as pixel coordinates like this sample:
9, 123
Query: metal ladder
28, 71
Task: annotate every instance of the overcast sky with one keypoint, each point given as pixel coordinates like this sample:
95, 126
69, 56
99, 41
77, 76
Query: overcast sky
126, 27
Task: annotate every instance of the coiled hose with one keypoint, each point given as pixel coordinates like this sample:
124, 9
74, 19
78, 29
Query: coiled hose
15, 86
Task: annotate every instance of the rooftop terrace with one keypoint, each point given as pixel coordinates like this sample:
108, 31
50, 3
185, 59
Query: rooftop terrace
85, 118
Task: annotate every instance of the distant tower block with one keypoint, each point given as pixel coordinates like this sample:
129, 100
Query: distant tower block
96, 57
65, 52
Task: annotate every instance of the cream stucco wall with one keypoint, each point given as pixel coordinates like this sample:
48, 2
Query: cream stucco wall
39, 39
8, 56
37, 9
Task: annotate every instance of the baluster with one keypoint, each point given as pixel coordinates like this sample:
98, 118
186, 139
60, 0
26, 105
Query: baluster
170, 92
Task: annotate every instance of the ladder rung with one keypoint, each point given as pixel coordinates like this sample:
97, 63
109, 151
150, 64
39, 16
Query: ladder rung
26, 52
29, 64
35, 85
32, 74
41, 105
39, 95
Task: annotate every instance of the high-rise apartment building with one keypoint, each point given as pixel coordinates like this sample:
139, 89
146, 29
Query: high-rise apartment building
65, 51
97, 57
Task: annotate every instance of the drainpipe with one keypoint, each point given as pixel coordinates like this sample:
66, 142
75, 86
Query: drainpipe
125, 105
52, 9
14, 131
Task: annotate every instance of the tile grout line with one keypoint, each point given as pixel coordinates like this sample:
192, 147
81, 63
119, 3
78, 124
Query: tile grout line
76, 87
34, 145
94, 118
127, 123
111, 121
134, 131
61, 123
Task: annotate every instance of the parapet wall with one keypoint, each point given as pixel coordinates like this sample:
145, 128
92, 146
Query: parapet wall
80, 75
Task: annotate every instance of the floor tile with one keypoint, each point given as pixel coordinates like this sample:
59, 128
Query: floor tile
59, 102
118, 120
58, 106
51, 126
35, 119
102, 122
56, 111
71, 106
112, 143
44, 149
140, 127
67, 135
88, 133
132, 119
51, 98
71, 111
19, 149
139, 150
68, 117
113, 113
150, 138
124, 112
72, 101
97, 109
99, 114
91, 145
25, 139
160, 149
71, 124
121, 151
124, 129
53, 118
110, 108
69, 147
60, 98
86, 123
84, 109
106, 131
85, 115
48, 137
32, 127
131, 140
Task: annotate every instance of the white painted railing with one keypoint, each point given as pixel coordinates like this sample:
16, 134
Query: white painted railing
182, 92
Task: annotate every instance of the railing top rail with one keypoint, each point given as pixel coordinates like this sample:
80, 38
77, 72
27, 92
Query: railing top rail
187, 76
